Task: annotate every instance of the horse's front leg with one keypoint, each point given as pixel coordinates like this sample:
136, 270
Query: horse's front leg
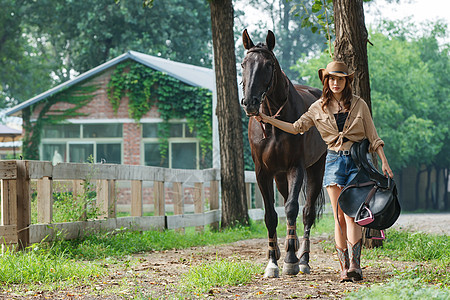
294, 180
265, 183
313, 193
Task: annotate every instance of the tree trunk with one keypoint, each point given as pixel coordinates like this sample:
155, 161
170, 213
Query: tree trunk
350, 47
446, 202
234, 205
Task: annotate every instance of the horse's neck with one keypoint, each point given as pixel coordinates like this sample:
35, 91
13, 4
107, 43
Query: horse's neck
279, 94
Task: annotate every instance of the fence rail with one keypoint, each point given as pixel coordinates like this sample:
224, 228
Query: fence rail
16, 178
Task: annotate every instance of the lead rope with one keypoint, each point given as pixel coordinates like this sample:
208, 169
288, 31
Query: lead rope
277, 114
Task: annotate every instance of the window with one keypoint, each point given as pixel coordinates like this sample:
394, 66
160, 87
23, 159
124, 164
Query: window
102, 130
80, 153
109, 153
184, 155
153, 157
77, 142
61, 131
183, 151
56, 153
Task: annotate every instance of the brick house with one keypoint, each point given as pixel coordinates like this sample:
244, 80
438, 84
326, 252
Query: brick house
113, 136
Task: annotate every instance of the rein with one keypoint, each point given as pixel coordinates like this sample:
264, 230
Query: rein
270, 87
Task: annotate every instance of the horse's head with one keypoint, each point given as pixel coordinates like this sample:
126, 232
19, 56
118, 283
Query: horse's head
258, 70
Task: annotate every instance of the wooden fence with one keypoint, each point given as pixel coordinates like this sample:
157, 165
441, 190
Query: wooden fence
17, 177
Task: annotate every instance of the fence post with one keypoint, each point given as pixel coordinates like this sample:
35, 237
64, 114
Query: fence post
178, 201
248, 194
23, 204
258, 197
77, 193
45, 200
106, 198
8, 212
198, 202
136, 198
158, 193
214, 201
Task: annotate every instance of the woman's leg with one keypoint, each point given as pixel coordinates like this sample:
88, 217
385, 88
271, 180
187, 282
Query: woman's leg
354, 235
340, 227
354, 232
340, 231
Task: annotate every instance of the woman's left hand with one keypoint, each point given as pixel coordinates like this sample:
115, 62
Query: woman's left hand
386, 169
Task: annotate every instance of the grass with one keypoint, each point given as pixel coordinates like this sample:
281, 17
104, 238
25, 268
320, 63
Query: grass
80, 261
35, 265
407, 246
427, 278
405, 289
230, 272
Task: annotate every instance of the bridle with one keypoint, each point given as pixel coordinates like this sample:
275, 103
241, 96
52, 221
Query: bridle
264, 96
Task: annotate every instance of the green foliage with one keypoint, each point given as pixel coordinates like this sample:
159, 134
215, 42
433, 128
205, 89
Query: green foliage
407, 94
70, 208
410, 87
429, 251
36, 265
292, 40
407, 246
200, 279
78, 96
146, 87
21, 77
99, 30
400, 290
44, 43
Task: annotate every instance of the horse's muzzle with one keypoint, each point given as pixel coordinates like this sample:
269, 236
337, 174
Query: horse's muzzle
251, 107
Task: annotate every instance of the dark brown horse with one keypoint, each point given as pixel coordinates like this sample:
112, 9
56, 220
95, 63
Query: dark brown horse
287, 158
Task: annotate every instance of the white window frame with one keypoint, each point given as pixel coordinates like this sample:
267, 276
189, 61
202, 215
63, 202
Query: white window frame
171, 140
81, 140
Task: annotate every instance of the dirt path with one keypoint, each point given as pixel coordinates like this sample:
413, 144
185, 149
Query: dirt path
155, 275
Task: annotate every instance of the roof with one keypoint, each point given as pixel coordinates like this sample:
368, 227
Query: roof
8, 131
8, 134
189, 74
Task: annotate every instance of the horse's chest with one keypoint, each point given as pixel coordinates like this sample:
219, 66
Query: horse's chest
279, 153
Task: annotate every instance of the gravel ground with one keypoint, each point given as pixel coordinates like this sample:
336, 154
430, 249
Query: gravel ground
437, 223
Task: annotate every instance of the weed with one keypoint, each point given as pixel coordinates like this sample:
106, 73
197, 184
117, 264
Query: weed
400, 289
201, 279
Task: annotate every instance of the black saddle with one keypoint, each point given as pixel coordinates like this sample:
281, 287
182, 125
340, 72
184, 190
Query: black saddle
370, 198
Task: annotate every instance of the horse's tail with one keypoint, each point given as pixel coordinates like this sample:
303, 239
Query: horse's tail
319, 203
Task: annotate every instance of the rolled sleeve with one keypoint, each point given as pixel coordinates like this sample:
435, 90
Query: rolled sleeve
305, 122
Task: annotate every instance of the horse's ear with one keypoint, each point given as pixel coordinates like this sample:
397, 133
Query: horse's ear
270, 40
247, 41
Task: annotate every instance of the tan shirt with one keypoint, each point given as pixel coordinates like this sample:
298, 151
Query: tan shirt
359, 125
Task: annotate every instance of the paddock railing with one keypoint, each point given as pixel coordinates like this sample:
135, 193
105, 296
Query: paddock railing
165, 185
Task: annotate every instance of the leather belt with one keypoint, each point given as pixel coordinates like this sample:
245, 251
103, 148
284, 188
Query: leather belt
341, 152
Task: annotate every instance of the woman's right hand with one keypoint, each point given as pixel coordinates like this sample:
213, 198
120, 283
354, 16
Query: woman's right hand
261, 117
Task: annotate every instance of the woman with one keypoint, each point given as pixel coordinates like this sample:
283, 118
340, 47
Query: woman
342, 119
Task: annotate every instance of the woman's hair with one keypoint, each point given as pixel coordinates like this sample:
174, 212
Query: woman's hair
327, 94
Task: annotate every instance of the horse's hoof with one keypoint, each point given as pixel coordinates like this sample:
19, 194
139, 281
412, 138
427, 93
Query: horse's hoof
290, 269
305, 269
271, 271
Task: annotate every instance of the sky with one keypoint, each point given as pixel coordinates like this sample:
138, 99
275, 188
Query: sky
418, 10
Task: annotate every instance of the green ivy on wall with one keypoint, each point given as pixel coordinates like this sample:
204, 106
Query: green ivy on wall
174, 99
78, 95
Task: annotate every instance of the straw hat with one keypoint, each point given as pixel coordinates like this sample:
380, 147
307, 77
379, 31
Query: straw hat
336, 68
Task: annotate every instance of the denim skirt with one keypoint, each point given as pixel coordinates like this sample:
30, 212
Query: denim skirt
339, 169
